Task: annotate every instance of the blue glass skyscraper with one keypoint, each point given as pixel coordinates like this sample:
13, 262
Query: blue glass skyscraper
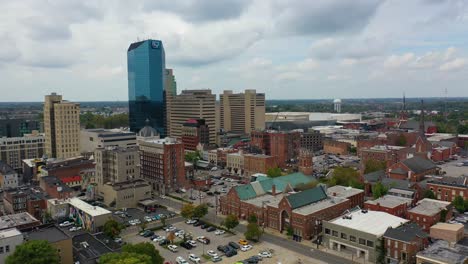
146, 94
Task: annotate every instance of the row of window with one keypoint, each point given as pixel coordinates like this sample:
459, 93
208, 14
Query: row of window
5, 249
352, 238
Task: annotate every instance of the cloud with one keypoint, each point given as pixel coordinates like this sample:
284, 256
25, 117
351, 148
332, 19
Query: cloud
106, 71
397, 61
453, 65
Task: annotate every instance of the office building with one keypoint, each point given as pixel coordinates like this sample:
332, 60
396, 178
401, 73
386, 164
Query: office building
242, 112
61, 127
195, 132
8, 177
312, 140
192, 104
16, 127
170, 83
146, 85
163, 164
9, 240
91, 139
14, 150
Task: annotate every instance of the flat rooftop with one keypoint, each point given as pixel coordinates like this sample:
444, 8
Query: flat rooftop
429, 207
400, 191
441, 251
87, 208
447, 226
343, 191
372, 222
51, 233
12, 232
390, 201
266, 200
18, 219
320, 205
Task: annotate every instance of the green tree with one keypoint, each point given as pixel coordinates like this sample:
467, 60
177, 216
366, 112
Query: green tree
379, 190
306, 186
34, 252
443, 216
289, 231
171, 237
124, 258
459, 204
187, 211
253, 232
381, 251
231, 221
143, 225
429, 194
274, 172
372, 165
112, 228
144, 248
346, 177
200, 210
252, 218
401, 140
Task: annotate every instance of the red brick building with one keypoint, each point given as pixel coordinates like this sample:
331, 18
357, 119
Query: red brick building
336, 147
55, 188
447, 188
402, 243
194, 132
258, 163
397, 206
384, 153
428, 212
68, 168
413, 169
283, 146
32, 200
355, 196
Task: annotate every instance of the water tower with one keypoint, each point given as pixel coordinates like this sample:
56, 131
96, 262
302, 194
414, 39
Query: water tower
337, 105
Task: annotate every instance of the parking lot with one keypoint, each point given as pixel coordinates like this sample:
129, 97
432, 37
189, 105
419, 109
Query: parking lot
279, 254
136, 213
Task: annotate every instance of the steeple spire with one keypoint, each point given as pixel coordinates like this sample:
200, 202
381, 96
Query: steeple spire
422, 128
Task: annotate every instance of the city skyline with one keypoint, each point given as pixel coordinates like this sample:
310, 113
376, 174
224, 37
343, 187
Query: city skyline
299, 49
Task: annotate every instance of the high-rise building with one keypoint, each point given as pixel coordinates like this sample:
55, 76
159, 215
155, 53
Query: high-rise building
163, 164
242, 112
193, 104
146, 85
61, 127
17, 127
170, 82
14, 150
195, 132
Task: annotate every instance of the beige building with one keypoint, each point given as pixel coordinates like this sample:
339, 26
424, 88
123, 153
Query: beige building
242, 112
235, 162
61, 127
15, 149
57, 238
91, 139
191, 104
9, 240
126, 194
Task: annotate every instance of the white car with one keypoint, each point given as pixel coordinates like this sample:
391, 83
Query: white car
66, 223
118, 240
118, 212
246, 248
212, 253
148, 219
223, 190
181, 260
159, 238
163, 196
191, 221
170, 229
219, 232
180, 232
75, 228
172, 248
194, 258
264, 254
192, 243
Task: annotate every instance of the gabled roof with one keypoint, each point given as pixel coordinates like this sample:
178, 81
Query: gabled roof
418, 164
399, 171
374, 176
306, 197
406, 233
399, 184
245, 191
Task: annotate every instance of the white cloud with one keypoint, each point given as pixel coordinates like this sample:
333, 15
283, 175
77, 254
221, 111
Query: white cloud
397, 61
453, 65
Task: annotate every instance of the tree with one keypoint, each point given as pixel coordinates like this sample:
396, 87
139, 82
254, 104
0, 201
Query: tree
253, 232
429, 194
346, 177
187, 211
372, 165
306, 186
459, 204
231, 221
379, 190
274, 172
112, 228
34, 252
145, 248
143, 226
289, 231
401, 140
200, 211
252, 218
443, 216
171, 237
124, 258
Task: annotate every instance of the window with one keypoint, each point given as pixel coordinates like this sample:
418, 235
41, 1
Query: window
1, 250
352, 238
388, 242
344, 236
362, 241
7, 249
335, 233
396, 244
370, 243
404, 246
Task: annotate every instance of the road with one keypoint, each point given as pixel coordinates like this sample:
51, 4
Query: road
279, 241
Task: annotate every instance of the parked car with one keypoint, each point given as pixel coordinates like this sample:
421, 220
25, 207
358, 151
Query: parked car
216, 259
204, 226
246, 247
265, 254
172, 248
223, 249
211, 229
191, 221
118, 240
243, 242
198, 223
181, 260
219, 232
231, 253
186, 245
203, 240
192, 243
159, 239
194, 258
234, 245
66, 223
211, 253
75, 228
148, 233
164, 242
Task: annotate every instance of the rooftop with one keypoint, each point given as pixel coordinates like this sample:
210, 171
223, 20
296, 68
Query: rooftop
442, 251
429, 207
18, 219
390, 201
54, 181
406, 233
343, 191
320, 205
129, 184
306, 197
461, 181
87, 208
86, 247
372, 222
12, 232
5, 168
418, 164
266, 200
447, 226
50, 233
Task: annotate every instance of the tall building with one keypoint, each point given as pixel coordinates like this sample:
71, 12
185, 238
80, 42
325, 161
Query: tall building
17, 127
163, 164
91, 139
195, 132
170, 82
242, 112
61, 127
146, 85
192, 104
14, 150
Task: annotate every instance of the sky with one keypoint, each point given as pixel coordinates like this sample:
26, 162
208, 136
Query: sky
289, 49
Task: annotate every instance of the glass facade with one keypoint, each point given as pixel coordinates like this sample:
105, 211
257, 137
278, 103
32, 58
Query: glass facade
146, 80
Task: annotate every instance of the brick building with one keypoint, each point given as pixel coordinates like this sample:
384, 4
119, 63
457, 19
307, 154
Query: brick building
283, 146
355, 196
447, 188
428, 212
394, 205
70, 168
384, 153
194, 132
336, 147
404, 242
413, 169
258, 163
55, 188
312, 140
26, 199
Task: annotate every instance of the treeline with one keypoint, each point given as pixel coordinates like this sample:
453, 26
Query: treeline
89, 120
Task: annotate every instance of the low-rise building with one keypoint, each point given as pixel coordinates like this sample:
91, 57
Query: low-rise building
402, 243
394, 205
91, 139
57, 238
20, 221
257, 163
428, 212
451, 233
125, 194
65, 168
336, 147
8, 176
384, 153
356, 196
87, 248
443, 252
359, 232
9, 240
91, 217
446, 188
31, 199
413, 169
235, 163
55, 188
195, 132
